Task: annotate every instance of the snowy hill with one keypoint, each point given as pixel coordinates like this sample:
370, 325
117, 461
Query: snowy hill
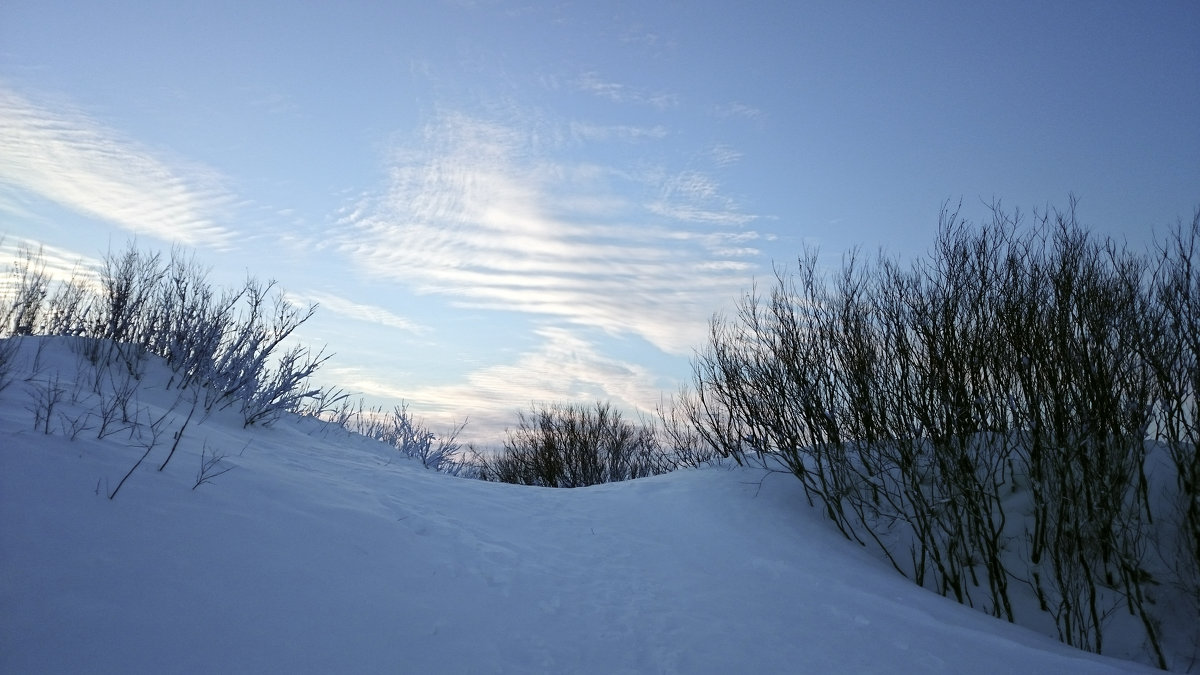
321, 552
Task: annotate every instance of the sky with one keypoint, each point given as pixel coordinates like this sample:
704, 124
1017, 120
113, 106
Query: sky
498, 204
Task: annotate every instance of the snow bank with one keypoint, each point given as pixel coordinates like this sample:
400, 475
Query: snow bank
323, 552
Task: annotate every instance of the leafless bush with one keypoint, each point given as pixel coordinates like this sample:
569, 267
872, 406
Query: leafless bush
8, 352
210, 468
574, 446
45, 398
1085, 400
1172, 352
21, 303
128, 282
190, 320
113, 392
178, 436
396, 427
232, 343
679, 439
70, 311
912, 401
27, 287
148, 436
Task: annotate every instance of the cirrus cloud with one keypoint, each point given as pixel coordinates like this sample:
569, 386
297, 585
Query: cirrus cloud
360, 311
563, 367
70, 159
479, 212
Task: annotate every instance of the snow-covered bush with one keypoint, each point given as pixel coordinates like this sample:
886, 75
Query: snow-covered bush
233, 343
988, 416
396, 427
232, 347
24, 293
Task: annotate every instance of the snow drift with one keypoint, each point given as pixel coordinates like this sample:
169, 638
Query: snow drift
299, 547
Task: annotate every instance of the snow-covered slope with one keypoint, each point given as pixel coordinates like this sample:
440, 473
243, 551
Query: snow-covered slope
321, 552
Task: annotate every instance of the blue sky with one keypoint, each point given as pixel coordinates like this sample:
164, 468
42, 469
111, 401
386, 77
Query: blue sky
504, 203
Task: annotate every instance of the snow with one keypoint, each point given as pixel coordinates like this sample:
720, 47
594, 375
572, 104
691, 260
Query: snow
324, 552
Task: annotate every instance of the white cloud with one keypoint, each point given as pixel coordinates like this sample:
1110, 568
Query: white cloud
723, 155
736, 109
360, 311
594, 132
623, 93
68, 158
478, 215
564, 368
695, 197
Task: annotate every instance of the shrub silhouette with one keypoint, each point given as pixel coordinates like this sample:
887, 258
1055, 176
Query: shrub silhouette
1039, 369
567, 445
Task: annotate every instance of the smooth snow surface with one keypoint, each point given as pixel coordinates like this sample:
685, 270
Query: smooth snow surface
321, 552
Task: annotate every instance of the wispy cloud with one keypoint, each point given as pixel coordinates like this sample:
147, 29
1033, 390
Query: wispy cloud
619, 132
477, 214
723, 155
360, 311
564, 368
623, 93
736, 109
696, 197
59, 265
653, 41
70, 159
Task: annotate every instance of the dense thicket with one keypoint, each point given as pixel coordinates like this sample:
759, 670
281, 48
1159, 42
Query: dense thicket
574, 445
568, 445
1018, 407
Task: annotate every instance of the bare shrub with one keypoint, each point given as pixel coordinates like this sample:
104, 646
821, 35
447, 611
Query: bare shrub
574, 446
128, 282
190, 320
232, 343
70, 310
27, 287
45, 398
148, 436
396, 427
679, 439
210, 465
8, 352
1172, 350
912, 401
